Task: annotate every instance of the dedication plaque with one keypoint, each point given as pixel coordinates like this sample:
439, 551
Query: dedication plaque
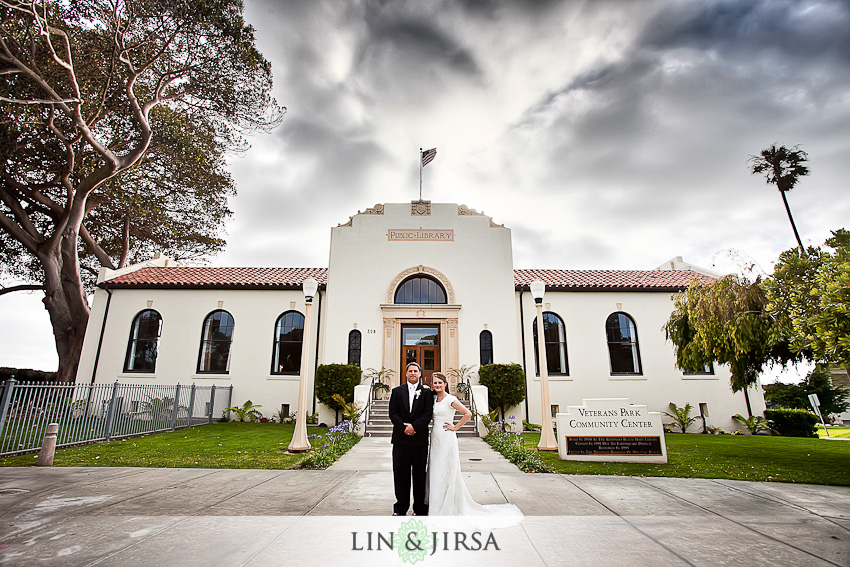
613, 445
611, 429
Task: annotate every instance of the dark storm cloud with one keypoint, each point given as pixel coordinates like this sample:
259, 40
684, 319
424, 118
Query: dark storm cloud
416, 40
796, 30
493, 9
331, 148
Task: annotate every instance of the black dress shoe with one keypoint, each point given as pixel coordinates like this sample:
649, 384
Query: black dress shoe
396, 514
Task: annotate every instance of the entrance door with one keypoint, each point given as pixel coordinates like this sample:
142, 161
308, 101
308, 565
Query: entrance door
421, 343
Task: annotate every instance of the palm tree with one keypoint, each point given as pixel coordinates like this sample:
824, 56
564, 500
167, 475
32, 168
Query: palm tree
782, 167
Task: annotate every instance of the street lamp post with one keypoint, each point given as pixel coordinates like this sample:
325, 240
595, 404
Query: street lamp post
299, 442
548, 442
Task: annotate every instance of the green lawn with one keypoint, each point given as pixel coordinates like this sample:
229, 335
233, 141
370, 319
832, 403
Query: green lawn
740, 457
231, 445
262, 446
835, 432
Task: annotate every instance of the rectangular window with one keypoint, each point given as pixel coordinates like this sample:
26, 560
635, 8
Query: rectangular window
707, 369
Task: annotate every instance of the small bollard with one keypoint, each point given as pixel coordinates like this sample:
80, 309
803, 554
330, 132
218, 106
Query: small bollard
48, 446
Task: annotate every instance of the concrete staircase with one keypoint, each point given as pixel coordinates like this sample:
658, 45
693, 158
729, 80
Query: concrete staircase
379, 424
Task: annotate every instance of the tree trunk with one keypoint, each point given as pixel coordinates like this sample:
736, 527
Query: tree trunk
790, 218
66, 303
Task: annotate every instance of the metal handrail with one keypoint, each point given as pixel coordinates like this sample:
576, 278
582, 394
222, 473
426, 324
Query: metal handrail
471, 402
369, 406
368, 411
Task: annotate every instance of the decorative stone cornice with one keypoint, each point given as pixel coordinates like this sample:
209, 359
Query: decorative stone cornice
436, 274
376, 210
420, 208
463, 210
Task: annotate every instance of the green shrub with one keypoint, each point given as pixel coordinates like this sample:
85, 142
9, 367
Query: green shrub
330, 447
505, 385
512, 447
681, 416
336, 379
754, 423
793, 422
246, 412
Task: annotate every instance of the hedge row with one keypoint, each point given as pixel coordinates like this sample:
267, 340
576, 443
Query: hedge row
793, 422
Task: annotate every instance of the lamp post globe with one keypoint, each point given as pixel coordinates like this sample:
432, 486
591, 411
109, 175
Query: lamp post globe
548, 442
299, 442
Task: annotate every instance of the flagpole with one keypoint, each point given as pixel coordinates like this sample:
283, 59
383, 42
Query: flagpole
420, 174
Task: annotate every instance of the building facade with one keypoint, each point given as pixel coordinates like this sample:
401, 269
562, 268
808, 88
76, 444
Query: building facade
431, 282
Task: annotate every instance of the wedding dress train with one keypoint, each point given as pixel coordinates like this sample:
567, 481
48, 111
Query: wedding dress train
448, 495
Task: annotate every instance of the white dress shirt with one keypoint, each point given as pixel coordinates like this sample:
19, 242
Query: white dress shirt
411, 388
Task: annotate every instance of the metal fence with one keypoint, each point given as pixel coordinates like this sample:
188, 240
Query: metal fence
100, 412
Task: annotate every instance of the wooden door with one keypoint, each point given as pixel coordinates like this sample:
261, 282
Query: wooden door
428, 357
421, 344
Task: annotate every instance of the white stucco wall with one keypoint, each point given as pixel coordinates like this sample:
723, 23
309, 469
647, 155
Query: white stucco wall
183, 313
478, 265
584, 315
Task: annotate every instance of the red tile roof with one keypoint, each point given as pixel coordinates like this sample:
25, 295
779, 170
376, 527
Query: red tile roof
219, 278
610, 280
291, 278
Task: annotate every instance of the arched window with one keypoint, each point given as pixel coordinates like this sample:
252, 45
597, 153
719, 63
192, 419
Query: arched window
288, 336
143, 343
485, 347
623, 344
216, 337
420, 289
555, 339
354, 339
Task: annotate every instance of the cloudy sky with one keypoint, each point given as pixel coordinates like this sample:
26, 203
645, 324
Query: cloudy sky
604, 134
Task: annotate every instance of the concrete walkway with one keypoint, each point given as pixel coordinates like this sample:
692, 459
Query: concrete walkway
136, 516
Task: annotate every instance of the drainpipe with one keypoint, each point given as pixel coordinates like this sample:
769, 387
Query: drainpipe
522, 335
100, 338
318, 334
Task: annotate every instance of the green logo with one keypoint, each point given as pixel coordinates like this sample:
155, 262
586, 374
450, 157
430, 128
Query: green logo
412, 541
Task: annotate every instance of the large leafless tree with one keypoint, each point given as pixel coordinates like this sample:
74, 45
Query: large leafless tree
115, 117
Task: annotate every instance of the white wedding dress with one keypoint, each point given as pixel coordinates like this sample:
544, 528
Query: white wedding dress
448, 495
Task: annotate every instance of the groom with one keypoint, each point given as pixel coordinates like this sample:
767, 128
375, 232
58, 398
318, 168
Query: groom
411, 409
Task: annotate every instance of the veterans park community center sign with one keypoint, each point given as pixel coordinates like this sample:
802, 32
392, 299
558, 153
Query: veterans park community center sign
611, 429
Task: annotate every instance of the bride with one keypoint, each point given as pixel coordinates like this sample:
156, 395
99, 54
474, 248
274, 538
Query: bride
448, 495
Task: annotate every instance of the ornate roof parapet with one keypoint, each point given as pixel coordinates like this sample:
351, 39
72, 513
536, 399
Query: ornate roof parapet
420, 208
378, 209
463, 210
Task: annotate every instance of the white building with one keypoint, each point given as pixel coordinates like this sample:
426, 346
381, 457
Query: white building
430, 282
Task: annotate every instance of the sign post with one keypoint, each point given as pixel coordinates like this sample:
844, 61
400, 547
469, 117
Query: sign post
815, 402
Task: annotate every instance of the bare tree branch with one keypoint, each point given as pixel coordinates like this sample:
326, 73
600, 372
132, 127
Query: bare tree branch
24, 287
38, 100
101, 255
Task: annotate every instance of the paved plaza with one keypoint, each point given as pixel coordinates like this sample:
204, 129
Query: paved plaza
143, 516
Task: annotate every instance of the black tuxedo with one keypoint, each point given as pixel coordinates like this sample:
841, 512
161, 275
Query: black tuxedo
410, 452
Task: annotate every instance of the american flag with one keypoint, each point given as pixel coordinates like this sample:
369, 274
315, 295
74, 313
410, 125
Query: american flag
428, 156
